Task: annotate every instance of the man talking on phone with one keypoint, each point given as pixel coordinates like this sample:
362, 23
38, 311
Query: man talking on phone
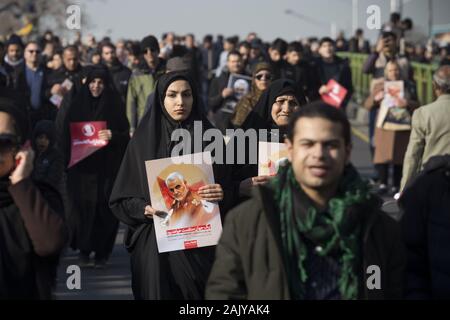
32, 228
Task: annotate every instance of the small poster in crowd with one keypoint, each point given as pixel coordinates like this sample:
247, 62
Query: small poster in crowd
56, 99
183, 220
335, 95
271, 155
85, 140
241, 85
390, 116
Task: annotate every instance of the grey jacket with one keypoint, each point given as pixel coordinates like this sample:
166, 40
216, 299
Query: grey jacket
430, 136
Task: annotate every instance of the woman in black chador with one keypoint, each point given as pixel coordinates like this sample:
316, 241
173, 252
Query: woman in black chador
177, 274
90, 181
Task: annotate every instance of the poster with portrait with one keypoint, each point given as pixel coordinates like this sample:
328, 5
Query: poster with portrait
390, 116
85, 140
271, 155
183, 220
241, 85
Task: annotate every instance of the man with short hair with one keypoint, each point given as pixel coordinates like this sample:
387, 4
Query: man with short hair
209, 62
119, 73
314, 232
72, 71
302, 72
143, 81
220, 94
430, 132
35, 81
13, 60
277, 51
330, 66
228, 46
358, 43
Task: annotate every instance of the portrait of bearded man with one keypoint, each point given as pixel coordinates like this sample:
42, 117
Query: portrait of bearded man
188, 208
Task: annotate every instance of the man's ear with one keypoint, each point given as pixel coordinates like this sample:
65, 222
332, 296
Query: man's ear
290, 148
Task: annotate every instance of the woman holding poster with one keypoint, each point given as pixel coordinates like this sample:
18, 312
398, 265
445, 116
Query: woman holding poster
176, 274
90, 181
272, 113
396, 100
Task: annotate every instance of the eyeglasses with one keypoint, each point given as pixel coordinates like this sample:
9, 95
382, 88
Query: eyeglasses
34, 51
263, 76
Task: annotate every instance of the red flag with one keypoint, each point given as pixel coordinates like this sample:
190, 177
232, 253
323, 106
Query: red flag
336, 94
85, 140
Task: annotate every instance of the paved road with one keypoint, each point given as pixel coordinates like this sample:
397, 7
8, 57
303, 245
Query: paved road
115, 281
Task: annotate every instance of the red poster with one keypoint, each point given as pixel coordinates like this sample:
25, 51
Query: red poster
336, 94
84, 139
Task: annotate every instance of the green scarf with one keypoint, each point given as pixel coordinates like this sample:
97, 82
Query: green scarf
336, 232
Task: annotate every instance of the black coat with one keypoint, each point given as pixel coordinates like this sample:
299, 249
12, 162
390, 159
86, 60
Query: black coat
249, 263
216, 101
343, 75
170, 275
426, 231
120, 76
89, 182
58, 77
306, 76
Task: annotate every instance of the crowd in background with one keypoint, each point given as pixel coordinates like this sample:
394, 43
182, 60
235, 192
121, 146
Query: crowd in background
125, 83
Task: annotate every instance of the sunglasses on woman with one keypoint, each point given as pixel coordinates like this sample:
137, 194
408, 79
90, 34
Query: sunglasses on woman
263, 76
8, 142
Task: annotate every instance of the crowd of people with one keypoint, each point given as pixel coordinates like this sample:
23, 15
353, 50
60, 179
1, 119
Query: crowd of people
310, 232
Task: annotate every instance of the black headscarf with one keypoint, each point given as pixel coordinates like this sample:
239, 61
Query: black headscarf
88, 108
152, 140
46, 127
171, 275
261, 116
81, 106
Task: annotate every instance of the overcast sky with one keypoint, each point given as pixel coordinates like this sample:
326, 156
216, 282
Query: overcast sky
138, 18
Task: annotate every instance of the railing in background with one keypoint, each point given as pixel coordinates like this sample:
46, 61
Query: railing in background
361, 82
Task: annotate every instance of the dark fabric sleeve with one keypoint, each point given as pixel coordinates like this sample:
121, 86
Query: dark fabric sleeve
226, 281
131, 211
414, 224
56, 171
63, 128
215, 98
369, 65
312, 82
396, 260
347, 82
42, 217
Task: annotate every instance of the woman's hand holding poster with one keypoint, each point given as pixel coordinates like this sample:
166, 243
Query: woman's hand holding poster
183, 219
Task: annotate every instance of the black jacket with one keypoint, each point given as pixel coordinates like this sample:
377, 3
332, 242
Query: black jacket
426, 231
58, 77
343, 75
249, 262
120, 76
216, 101
306, 76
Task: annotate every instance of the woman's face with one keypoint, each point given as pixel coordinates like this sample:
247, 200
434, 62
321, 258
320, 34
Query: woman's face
263, 79
57, 61
392, 72
283, 108
178, 100
96, 87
